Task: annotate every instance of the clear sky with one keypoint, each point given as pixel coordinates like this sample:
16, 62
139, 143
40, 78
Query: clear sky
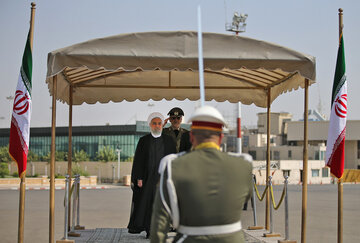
307, 26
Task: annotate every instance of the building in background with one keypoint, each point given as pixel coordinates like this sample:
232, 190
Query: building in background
90, 139
286, 146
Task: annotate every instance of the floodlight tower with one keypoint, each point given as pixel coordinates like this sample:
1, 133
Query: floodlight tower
237, 26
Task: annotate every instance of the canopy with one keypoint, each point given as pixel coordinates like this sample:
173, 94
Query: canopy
164, 65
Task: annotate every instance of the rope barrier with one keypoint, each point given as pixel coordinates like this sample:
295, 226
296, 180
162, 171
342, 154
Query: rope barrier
273, 200
257, 192
272, 195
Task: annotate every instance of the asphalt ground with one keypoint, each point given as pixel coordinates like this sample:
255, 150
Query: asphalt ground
109, 208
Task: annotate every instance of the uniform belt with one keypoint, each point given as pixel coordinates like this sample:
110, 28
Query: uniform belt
209, 230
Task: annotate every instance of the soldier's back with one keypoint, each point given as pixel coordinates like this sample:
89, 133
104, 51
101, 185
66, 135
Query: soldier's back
212, 187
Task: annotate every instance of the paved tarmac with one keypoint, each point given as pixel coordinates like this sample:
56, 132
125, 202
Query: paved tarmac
109, 208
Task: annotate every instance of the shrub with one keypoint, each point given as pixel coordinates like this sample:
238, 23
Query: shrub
59, 176
32, 156
34, 176
4, 154
76, 169
4, 170
81, 156
106, 154
59, 156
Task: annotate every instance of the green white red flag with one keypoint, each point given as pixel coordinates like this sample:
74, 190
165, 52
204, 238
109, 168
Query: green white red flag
20, 120
335, 150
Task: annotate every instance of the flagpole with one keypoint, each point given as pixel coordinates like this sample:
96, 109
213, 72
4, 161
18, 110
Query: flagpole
21, 209
22, 176
340, 184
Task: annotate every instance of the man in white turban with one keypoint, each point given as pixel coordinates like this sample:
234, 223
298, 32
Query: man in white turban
150, 149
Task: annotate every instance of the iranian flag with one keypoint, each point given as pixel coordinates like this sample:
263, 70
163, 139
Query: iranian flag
20, 120
335, 150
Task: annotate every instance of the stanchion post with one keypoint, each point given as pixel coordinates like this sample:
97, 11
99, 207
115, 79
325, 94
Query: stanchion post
253, 204
271, 234
253, 201
77, 178
74, 205
271, 207
67, 189
78, 227
286, 240
66, 201
286, 210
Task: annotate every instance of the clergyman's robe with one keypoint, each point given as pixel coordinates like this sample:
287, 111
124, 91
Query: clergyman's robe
148, 154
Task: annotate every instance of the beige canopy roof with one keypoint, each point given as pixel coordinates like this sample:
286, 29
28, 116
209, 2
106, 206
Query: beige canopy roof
163, 65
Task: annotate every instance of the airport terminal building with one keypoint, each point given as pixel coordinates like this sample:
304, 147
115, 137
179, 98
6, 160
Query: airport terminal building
91, 139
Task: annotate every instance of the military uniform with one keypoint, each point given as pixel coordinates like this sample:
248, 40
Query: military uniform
182, 138
180, 135
203, 193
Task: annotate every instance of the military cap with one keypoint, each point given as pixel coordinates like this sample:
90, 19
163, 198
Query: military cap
176, 111
207, 118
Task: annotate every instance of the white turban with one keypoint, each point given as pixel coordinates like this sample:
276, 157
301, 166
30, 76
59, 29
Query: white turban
155, 115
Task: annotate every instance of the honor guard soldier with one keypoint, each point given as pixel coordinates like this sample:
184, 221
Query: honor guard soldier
179, 134
201, 193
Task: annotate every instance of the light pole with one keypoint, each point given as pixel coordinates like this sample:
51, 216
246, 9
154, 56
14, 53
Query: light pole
118, 152
237, 26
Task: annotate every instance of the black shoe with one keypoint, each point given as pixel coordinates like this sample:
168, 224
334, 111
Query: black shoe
134, 231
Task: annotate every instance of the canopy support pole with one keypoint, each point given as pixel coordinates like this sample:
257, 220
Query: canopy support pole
267, 211
305, 164
52, 164
70, 148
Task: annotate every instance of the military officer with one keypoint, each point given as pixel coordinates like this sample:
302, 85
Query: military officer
179, 134
201, 193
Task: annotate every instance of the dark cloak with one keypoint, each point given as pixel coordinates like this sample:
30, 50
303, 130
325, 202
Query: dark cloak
149, 152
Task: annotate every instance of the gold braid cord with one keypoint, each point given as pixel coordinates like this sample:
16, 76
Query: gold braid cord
273, 200
257, 192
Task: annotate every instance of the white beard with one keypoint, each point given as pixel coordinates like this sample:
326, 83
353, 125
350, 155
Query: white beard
155, 133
